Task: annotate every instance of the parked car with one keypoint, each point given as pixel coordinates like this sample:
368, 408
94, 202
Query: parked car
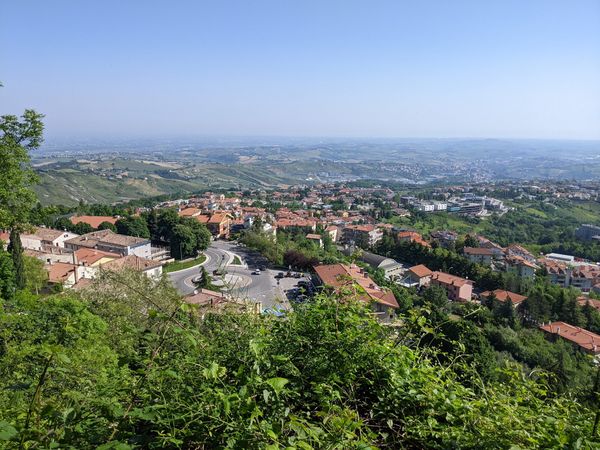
279, 275
256, 272
297, 275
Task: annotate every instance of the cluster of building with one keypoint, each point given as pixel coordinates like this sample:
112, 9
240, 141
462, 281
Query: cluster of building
468, 204
72, 260
342, 226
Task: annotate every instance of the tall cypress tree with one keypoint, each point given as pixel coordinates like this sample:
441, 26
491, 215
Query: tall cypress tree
15, 248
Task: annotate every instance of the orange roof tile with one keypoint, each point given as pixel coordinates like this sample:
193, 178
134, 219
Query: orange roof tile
93, 221
583, 338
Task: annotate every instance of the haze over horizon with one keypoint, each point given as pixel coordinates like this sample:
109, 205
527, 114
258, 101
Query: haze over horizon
334, 69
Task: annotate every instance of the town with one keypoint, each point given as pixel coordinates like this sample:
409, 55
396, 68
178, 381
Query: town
330, 232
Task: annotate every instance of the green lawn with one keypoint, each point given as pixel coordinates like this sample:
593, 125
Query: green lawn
237, 261
180, 265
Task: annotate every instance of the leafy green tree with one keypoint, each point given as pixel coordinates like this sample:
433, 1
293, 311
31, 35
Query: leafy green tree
592, 317
133, 226
17, 138
183, 242
82, 228
153, 225
167, 220
201, 233
436, 299
506, 314
205, 281
107, 226
35, 274
7, 275
63, 223
471, 241
56, 374
571, 312
15, 248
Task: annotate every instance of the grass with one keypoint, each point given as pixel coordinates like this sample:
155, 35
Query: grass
237, 261
181, 265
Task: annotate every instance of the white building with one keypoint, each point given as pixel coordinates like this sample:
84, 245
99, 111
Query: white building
108, 241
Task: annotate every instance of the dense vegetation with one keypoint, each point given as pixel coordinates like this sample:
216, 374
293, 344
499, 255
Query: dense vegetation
511, 332
291, 248
128, 365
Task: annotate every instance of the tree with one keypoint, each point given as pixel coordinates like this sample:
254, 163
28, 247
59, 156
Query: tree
471, 241
201, 233
133, 226
15, 248
153, 225
436, 298
183, 242
82, 228
506, 313
7, 275
18, 136
35, 274
63, 223
167, 220
571, 312
205, 281
107, 226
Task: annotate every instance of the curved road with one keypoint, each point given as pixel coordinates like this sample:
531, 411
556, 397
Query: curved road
221, 254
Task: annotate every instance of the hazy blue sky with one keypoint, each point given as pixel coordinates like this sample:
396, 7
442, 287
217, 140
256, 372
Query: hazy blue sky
444, 68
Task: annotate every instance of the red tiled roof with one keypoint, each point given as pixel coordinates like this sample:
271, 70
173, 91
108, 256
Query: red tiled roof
446, 278
333, 275
502, 296
59, 272
413, 236
478, 251
365, 228
218, 218
90, 256
421, 271
297, 222
591, 301
205, 297
517, 260
585, 339
93, 221
189, 212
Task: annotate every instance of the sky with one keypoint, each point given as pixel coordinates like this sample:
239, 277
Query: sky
493, 68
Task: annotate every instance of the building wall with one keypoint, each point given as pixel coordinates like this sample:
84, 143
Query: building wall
143, 250
31, 242
480, 259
